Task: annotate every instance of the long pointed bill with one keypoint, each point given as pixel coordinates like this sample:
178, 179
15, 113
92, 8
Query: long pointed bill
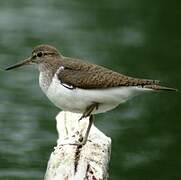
24, 62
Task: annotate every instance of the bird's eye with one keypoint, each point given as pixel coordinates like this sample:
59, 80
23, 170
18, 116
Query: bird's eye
39, 54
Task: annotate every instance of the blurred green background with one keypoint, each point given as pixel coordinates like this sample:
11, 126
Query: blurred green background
138, 38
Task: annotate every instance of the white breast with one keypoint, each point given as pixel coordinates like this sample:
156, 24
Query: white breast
77, 100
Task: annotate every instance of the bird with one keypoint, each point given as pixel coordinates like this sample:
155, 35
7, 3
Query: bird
79, 86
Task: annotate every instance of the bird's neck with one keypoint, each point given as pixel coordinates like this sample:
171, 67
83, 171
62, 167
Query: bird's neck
45, 79
47, 71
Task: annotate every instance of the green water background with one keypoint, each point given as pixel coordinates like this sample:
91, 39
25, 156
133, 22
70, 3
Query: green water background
137, 38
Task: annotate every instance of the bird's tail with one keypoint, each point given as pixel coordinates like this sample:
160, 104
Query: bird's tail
159, 88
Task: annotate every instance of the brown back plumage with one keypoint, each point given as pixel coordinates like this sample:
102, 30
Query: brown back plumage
84, 75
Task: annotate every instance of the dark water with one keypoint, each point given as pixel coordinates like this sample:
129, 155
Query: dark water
139, 38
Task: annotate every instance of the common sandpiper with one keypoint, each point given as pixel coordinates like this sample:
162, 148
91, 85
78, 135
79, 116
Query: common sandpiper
81, 87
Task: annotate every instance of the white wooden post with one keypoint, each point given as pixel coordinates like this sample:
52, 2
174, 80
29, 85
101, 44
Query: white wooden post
72, 162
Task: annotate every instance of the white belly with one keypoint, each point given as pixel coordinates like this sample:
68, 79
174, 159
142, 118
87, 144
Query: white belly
77, 100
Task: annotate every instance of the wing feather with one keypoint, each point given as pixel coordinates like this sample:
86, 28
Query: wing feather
84, 75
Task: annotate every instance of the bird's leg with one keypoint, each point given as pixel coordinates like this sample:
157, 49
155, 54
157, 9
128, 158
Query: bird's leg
89, 110
87, 113
82, 141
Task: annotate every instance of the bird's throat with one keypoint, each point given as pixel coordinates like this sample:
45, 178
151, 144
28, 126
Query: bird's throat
45, 77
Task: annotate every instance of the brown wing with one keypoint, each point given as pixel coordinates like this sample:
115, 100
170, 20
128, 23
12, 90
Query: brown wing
90, 76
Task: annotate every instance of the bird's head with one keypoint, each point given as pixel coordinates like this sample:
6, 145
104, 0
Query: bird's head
40, 54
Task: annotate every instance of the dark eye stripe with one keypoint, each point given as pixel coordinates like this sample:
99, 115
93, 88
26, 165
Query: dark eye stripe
40, 54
